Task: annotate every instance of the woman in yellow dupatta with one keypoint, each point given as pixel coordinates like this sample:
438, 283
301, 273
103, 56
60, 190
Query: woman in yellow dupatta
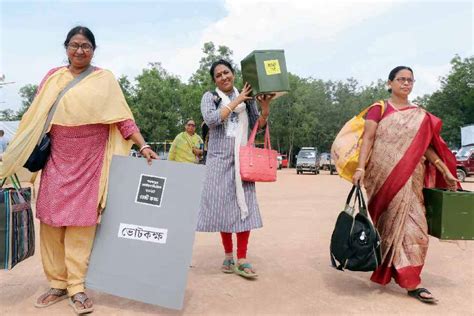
186, 145
403, 144
92, 122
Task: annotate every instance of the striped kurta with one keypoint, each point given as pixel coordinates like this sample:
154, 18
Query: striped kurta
219, 211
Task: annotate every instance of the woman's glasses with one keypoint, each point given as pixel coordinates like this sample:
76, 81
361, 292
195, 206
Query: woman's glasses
86, 48
402, 80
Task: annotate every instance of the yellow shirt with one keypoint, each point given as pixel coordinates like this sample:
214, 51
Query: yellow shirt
182, 148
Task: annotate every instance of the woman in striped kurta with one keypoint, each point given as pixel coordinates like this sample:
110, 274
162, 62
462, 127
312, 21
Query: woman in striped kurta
229, 205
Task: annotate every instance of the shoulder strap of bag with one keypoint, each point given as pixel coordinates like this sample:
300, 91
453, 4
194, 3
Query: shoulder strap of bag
382, 108
217, 98
71, 84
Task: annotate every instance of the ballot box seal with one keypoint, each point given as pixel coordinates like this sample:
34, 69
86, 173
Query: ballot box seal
150, 190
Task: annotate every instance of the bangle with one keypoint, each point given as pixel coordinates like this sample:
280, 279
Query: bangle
143, 147
229, 108
437, 161
360, 169
265, 118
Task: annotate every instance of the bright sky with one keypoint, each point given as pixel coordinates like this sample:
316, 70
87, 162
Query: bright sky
329, 40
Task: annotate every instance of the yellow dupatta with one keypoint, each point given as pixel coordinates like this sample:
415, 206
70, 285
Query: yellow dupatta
97, 99
182, 147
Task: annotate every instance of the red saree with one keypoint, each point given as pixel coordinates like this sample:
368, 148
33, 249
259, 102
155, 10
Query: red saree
394, 180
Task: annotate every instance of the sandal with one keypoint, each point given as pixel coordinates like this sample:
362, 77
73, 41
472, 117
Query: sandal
59, 293
80, 297
240, 270
228, 265
417, 294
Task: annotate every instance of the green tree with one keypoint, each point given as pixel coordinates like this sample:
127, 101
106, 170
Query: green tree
454, 102
156, 103
27, 94
7, 115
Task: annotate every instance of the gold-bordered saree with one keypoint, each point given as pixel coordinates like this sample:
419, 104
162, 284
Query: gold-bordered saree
395, 176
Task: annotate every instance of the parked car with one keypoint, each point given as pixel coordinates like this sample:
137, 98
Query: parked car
307, 160
465, 162
282, 161
326, 163
134, 153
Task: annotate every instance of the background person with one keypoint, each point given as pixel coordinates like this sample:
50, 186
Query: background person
186, 145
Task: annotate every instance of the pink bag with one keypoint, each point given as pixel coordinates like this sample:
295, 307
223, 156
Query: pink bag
257, 164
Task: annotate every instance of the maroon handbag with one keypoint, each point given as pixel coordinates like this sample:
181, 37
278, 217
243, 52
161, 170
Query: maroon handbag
258, 164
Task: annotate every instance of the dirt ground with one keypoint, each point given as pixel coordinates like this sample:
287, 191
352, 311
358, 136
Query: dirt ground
291, 255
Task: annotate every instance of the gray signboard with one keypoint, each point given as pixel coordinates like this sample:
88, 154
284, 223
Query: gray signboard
143, 246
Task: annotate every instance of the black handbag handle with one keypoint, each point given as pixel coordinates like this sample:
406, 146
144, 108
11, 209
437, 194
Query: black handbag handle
359, 199
351, 193
362, 205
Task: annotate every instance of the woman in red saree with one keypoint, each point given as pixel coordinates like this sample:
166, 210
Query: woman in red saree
401, 153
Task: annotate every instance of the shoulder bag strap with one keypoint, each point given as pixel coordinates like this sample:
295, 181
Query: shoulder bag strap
71, 84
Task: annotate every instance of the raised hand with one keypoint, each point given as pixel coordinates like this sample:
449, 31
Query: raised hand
245, 94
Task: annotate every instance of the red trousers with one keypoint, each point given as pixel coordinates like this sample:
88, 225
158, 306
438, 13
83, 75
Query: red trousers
242, 241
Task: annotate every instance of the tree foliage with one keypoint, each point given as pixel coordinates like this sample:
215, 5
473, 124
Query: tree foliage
311, 114
454, 102
27, 93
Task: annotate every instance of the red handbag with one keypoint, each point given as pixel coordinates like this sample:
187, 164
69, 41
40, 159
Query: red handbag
258, 164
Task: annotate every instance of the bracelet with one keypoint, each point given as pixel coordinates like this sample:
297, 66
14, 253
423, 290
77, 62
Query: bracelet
143, 147
264, 118
360, 169
229, 108
437, 161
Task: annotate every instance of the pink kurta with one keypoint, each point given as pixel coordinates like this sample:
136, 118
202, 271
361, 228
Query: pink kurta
68, 193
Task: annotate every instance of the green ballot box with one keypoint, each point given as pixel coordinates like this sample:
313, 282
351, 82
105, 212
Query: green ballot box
265, 71
450, 215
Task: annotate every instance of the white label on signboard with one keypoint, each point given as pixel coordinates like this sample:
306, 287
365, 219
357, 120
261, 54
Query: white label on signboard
143, 233
150, 190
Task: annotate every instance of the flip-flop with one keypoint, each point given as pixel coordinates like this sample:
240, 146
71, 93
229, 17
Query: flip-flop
240, 270
80, 297
417, 294
228, 265
60, 293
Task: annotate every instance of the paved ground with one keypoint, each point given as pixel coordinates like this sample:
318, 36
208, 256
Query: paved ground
291, 255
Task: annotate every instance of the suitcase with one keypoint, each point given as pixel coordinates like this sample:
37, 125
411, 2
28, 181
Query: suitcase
450, 215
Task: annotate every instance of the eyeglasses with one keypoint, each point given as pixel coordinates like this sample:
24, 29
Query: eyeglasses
402, 80
86, 47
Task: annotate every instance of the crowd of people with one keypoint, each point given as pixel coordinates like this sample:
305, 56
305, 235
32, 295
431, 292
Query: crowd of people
93, 122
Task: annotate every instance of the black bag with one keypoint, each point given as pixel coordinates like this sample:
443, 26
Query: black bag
355, 243
40, 154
